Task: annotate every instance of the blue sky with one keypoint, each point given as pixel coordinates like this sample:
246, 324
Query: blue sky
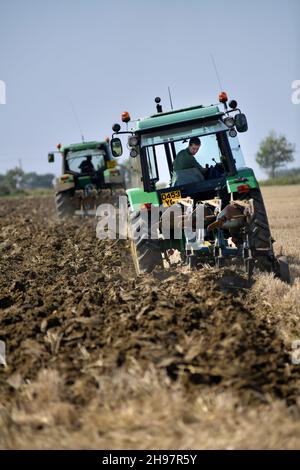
102, 57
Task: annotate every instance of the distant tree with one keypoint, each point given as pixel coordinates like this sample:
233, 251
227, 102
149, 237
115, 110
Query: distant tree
33, 180
274, 152
4, 188
16, 180
46, 180
288, 172
13, 178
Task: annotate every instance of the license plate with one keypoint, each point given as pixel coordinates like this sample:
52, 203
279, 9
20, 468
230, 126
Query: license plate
110, 164
170, 198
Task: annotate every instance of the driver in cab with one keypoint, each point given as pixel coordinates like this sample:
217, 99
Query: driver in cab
185, 159
86, 166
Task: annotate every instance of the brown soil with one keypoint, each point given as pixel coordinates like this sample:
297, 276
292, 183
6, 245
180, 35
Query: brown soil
82, 333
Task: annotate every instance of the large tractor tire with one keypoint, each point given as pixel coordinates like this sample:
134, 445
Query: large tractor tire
259, 230
260, 238
146, 253
64, 204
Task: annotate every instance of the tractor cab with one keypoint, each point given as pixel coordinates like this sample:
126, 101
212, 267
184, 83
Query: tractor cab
216, 159
87, 163
159, 139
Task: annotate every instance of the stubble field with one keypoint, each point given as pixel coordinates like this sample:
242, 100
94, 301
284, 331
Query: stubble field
98, 359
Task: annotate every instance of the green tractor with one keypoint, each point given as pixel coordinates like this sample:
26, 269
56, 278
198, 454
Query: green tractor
89, 176
235, 226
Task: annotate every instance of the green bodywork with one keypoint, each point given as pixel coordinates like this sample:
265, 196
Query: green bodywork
178, 117
83, 181
66, 182
85, 146
243, 176
137, 197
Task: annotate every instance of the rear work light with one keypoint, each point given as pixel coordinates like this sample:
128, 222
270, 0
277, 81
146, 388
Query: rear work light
147, 206
243, 188
133, 141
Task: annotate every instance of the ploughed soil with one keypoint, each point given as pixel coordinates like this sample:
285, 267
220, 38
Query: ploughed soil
94, 354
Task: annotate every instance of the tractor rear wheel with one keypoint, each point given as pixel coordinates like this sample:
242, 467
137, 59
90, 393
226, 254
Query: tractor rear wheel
146, 253
260, 239
258, 222
259, 232
64, 204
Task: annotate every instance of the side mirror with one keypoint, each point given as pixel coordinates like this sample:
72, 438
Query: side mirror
116, 147
241, 123
50, 157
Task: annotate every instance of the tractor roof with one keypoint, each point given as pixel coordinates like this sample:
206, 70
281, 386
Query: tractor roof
85, 146
178, 116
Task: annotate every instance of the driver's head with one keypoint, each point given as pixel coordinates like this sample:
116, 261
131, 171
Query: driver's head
89, 158
194, 145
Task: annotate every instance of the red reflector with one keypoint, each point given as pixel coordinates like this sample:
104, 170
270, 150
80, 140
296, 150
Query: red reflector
243, 188
147, 206
64, 178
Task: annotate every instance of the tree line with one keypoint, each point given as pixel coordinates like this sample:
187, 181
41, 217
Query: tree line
16, 180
